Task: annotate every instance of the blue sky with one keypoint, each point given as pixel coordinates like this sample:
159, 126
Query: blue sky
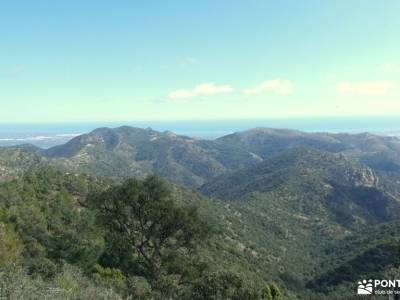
173, 60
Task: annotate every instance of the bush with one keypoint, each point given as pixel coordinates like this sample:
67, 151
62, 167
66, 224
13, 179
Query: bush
10, 246
222, 285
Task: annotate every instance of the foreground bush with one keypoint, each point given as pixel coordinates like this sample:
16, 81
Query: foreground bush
70, 284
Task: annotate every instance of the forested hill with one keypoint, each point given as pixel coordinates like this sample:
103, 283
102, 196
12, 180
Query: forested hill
319, 183
15, 161
69, 236
276, 212
128, 151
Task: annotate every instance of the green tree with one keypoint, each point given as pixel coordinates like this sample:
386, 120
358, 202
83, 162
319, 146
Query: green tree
271, 292
149, 234
10, 246
222, 286
50, 223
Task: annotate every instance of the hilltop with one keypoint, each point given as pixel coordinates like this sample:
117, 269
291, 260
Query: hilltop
129, 151
288, 207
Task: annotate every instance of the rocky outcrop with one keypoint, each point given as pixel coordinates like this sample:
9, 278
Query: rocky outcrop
364, 177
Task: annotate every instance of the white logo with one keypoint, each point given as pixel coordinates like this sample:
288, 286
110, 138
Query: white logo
365, 287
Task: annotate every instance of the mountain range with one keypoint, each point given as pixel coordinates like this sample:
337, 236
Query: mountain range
128, 151
302, 209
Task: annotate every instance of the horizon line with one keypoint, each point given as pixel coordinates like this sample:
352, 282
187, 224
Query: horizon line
201, 120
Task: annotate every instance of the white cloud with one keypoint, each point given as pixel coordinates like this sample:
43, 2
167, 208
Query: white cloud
365, 88
180, 94
211, 89
277, 86
200, 90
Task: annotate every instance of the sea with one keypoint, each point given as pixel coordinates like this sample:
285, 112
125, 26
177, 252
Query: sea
46, 135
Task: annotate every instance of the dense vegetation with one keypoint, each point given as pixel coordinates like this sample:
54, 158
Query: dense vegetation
128, 151
288, 215
79, 237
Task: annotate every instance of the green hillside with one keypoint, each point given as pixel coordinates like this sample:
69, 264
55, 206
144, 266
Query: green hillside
129, 151
15, 161
297, 209
320, 183
52, 227
268, 213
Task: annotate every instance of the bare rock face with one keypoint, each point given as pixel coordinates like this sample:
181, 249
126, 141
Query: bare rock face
364, 177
